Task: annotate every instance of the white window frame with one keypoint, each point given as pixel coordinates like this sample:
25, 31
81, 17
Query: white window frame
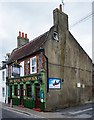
22, 68
33, 65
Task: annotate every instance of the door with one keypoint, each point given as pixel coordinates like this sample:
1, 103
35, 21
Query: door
10, 92
21, 94
9, 98
37, 89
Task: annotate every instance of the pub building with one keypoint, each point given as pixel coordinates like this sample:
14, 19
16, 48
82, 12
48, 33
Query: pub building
26, 68
52, 71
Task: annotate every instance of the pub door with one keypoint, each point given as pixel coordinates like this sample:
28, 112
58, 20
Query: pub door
9, 99
21, 95
37, 90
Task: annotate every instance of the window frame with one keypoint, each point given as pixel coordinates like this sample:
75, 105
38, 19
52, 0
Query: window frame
33, 65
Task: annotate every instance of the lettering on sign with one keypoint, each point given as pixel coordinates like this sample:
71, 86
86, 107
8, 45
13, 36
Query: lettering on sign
32, 78
11, 81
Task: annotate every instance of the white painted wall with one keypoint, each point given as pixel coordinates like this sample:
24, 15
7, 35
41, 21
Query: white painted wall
3, 95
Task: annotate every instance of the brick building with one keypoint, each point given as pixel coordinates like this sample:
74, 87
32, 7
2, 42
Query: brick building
52, 71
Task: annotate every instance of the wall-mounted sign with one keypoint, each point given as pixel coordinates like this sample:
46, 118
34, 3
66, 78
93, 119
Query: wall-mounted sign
54, 83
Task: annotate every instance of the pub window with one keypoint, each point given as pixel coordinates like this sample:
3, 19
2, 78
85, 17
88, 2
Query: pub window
15, 90
28, 90
33, 65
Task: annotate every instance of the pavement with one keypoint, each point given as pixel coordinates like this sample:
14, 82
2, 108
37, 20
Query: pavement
36, 113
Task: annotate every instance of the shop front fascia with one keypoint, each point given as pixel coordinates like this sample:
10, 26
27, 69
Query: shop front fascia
28, 91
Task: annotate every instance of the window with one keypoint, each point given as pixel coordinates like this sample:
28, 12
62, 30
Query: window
22, 69
33, 65
28, 90
7, 72
15, 90
3, 75
3, 92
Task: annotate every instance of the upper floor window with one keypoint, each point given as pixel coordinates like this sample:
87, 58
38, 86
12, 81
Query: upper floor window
3, 75
7, 71
22, 68
3, 91
33, 65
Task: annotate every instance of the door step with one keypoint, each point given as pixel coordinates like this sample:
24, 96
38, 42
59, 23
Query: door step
21, 106
37, 109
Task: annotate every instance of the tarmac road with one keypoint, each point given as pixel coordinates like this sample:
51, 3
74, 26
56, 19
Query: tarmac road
9, 114
85, 112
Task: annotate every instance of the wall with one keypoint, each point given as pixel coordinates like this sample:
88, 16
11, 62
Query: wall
78, 69
3, 85
55, 52
69, 62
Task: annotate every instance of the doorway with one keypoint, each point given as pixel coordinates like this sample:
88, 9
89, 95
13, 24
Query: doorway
10, 91
37, 90
21, 95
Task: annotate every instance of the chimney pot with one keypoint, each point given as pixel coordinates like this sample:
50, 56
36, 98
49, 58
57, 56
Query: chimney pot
19, 34
60, 7
25, 36
22, 35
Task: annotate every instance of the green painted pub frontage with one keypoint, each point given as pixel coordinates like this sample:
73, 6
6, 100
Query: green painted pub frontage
28, 91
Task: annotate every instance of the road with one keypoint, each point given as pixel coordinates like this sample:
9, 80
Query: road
12, 114
83, 111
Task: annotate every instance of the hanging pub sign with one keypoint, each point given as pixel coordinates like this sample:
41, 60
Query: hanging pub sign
15, 70
54, 83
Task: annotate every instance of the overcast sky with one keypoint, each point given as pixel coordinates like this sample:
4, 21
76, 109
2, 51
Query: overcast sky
35, 18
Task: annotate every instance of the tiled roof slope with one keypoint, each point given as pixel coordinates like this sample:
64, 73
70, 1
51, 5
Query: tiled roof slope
27, 49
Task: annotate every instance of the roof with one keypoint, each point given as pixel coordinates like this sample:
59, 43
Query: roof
28, 49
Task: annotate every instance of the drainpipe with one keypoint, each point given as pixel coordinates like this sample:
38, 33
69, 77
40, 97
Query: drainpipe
42, 50
47, 72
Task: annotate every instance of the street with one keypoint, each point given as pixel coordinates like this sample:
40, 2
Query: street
12, 114
84, 111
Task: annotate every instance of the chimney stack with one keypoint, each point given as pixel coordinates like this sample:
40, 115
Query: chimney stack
22, 35
19, 34
60, 18
60, 7
25, 36
22, 40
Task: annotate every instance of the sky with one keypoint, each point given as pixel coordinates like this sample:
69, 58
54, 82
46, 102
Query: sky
36, 17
